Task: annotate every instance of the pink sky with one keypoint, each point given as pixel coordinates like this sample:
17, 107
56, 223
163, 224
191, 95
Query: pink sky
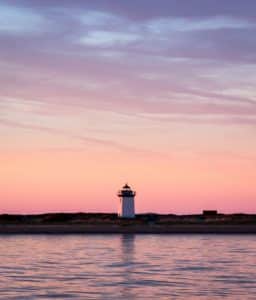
95, 94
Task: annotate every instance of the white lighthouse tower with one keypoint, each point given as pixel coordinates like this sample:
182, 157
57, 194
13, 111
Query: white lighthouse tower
126, 204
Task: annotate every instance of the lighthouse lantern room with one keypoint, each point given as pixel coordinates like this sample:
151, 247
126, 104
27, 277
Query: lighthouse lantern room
126, 202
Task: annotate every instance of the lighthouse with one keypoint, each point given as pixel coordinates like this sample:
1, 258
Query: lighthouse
126, 202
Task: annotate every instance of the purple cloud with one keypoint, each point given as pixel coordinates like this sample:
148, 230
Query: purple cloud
157, 57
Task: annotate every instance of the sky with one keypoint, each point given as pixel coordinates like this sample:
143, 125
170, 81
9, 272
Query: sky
159, 94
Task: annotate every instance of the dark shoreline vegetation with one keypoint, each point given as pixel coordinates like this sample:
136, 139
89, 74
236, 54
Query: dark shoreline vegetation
142, 223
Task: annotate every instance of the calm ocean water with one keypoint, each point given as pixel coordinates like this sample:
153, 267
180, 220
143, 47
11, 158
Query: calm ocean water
128, 267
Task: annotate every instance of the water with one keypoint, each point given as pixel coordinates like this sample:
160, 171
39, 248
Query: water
127, 267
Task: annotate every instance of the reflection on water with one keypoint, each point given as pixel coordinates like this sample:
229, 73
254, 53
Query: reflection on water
127, 256
127, 267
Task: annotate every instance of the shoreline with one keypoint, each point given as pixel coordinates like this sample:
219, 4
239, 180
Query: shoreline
105, 223
136, 229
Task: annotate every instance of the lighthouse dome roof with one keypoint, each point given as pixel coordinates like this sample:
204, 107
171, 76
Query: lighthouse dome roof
126, 191
126, 186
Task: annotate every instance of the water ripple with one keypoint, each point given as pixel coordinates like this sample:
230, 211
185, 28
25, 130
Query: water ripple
127, 267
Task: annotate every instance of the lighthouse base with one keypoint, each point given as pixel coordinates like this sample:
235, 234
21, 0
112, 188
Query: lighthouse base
126, 207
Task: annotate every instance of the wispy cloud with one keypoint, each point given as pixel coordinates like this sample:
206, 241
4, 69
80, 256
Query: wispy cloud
108, 38
203, 119
86, 140
17, 20
95, 19
169, 25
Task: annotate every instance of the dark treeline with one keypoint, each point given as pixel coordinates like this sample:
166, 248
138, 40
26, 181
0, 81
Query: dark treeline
105, 218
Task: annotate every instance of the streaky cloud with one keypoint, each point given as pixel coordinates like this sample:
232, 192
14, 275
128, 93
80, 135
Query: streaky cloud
197, 119
168, 25
108, 38
86, 140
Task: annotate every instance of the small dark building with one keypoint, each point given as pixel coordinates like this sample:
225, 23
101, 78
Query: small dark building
210, 213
